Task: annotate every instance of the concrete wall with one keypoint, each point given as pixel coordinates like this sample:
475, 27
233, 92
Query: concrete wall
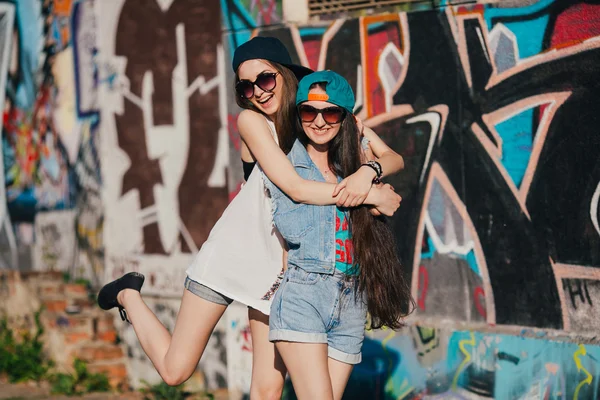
120, 151
51, 212
115, 146
495, 108
165, 152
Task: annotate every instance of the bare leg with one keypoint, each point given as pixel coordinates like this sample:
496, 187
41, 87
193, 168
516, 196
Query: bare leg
339, 373
268, 369
174, 357
308, 368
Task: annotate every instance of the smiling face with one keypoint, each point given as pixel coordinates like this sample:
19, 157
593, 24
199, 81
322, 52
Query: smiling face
266, 101
319, 131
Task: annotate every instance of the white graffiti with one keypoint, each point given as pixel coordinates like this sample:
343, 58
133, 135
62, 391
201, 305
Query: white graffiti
594, 210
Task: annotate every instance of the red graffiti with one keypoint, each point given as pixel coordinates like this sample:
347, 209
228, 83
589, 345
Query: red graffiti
233, 131
266, 14
465, 10
377, 40
312, 49
576, 24
479, 296
247, 345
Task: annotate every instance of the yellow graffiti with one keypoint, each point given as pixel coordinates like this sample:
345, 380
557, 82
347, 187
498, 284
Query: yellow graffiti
405, 389
384, 342
467, 359
580, 368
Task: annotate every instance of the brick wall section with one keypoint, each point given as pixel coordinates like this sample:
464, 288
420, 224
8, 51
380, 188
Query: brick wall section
74, 325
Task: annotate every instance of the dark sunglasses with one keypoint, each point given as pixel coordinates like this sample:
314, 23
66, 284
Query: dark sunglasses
331, 115
265, 80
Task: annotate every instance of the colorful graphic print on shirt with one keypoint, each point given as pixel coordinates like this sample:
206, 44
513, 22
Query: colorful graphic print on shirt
344, 250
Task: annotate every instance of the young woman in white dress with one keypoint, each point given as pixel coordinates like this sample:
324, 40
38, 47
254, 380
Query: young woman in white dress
243, 257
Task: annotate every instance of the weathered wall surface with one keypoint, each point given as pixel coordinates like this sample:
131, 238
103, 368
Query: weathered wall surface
438, 363
164, 139
51, 214
84, 331
165, 153
120, 151
114, 144
496, 110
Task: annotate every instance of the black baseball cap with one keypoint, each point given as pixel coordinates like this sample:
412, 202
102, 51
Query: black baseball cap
270, 49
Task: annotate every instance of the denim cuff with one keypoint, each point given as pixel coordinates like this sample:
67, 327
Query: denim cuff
344, 357
284, 335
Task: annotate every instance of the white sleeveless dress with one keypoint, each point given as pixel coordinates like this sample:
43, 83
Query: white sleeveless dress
243, 255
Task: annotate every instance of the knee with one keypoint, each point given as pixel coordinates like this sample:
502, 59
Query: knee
265, 391
175, 378
173, 381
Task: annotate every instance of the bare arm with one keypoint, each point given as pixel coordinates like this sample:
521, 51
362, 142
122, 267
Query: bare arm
360, 183
257, 136
391, 162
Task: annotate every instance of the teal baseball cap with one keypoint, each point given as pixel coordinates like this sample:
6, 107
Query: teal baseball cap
337, 88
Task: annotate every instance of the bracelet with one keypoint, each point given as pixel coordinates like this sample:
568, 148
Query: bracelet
377, 168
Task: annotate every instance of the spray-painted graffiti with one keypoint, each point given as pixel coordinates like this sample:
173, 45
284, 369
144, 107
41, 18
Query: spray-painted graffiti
494, 110
8, 252
431, 363
46, 137
239, 349
89, 221
165, 134
55, 243
35, 158
247, 14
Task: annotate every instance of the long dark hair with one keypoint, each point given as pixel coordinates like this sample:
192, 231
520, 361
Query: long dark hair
380, 273
287, 109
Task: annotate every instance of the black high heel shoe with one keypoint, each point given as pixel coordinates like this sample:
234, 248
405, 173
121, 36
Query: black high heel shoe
107, 297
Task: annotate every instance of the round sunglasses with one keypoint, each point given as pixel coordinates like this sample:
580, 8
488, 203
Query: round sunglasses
266, 81
331, 115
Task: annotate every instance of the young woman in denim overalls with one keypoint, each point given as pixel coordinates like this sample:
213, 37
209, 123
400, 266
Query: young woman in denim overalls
242, 258
341, 263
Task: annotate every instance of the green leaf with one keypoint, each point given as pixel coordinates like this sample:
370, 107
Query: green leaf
80, 369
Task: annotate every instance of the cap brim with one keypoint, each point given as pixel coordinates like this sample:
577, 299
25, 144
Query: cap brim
299, 70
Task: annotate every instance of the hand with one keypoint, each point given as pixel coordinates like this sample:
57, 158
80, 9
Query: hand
356, 187
374, 212
388, 200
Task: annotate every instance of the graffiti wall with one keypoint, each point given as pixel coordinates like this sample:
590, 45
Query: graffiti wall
497, 122
52, 213
239, 351
495, 109
120, 152
432, 363
165, 153
164, 136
